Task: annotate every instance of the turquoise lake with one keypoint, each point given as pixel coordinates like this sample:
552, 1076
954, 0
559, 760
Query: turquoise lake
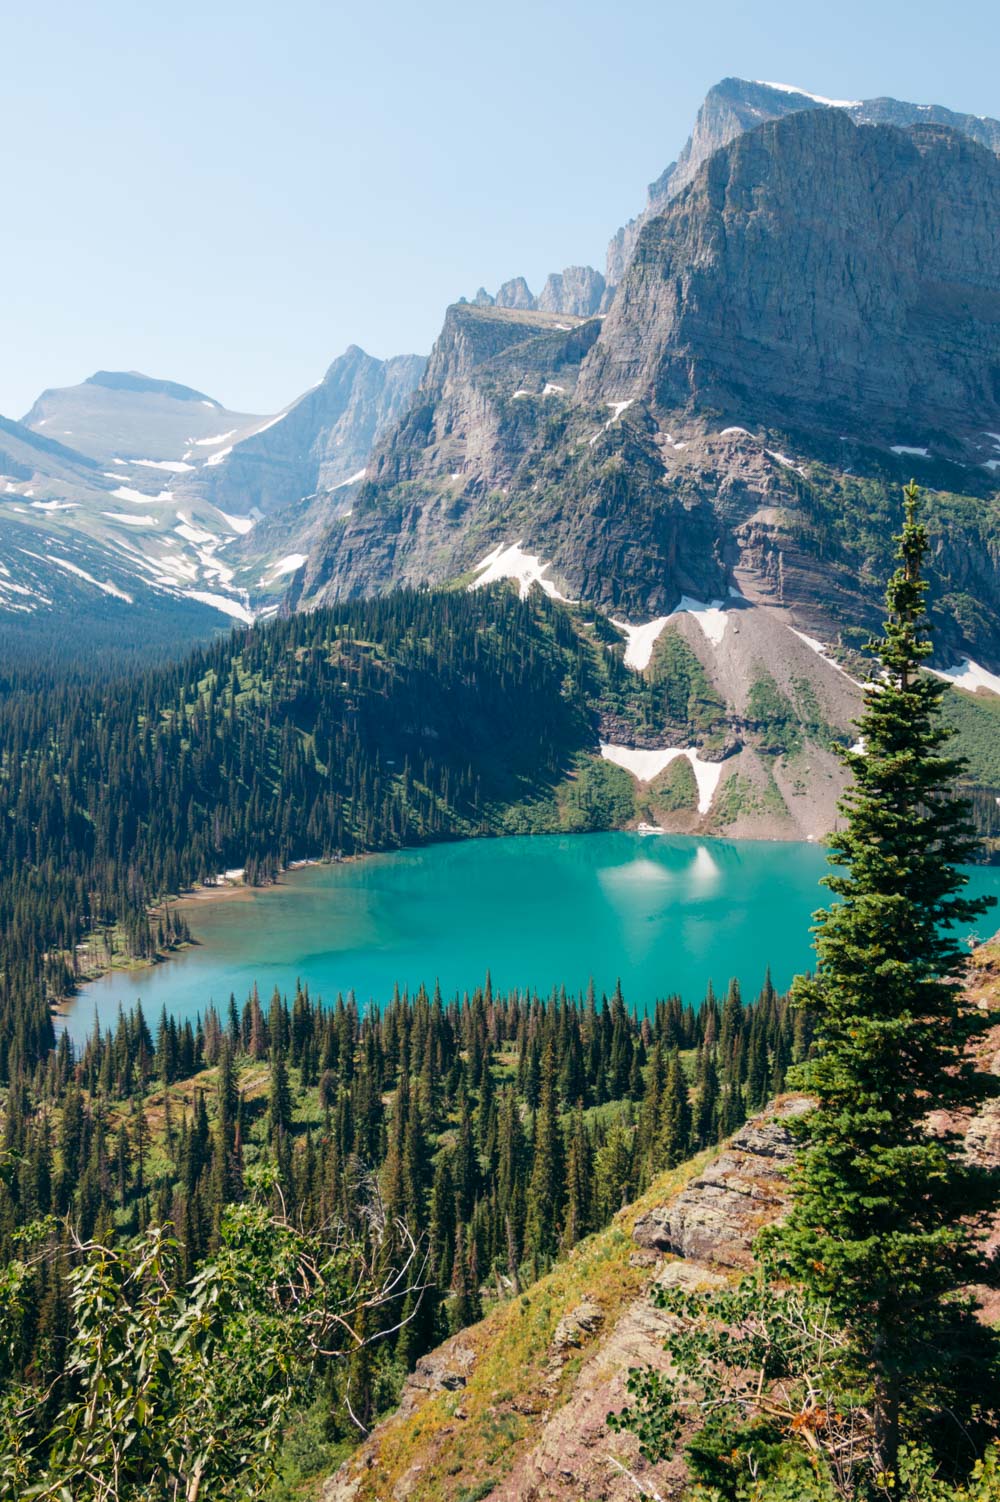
665, 913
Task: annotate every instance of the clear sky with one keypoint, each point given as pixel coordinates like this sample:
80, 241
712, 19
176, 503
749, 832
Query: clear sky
229, 194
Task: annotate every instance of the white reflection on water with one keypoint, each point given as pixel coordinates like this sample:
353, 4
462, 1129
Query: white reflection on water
704, 871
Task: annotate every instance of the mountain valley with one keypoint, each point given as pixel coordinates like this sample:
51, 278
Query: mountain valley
697, 453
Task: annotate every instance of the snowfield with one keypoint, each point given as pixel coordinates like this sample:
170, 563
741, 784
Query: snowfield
645, 765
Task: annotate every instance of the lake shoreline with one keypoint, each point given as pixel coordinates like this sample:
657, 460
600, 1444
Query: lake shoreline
237, 891
192, 897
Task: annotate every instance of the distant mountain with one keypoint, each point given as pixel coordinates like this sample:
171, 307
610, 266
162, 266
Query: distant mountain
320, 441
171, 497
126, 415
737, 105
577, 290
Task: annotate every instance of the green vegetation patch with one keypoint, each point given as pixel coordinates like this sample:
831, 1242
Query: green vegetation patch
681, 693
777, 727
675, 789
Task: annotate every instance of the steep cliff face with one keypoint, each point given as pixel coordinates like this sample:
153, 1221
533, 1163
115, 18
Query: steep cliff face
737, 105
871, 312
730, 108
437, 494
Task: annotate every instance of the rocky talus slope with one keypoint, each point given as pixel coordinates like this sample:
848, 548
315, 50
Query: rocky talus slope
513, 1409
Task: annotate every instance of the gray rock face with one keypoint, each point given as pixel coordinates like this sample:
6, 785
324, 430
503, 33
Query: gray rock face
716, 1218
321, 440
578, 290
751, 296
737, 105
515, 294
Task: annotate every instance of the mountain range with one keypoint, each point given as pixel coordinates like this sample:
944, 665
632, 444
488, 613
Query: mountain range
700, 449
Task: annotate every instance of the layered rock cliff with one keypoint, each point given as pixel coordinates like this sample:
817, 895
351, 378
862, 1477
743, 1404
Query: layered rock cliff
869, 311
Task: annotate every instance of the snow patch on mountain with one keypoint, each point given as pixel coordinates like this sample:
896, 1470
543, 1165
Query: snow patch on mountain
970, 676
645, 765
791, 88
174, 466
105, 585
641, 640
240, 524
513, 563
228, 606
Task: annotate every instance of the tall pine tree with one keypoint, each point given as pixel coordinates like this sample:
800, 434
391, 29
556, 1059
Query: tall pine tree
888, 1218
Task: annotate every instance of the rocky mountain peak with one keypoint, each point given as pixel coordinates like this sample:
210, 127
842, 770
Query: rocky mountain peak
736, 105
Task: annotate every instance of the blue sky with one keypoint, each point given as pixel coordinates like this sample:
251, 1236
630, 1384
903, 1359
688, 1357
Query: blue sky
228, 195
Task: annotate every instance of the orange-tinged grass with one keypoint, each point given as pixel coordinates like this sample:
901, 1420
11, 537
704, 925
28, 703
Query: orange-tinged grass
458, 1437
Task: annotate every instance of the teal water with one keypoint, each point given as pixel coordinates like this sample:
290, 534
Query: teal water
664, 913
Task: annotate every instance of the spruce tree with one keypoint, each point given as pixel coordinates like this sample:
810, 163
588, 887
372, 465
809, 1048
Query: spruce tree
888, 1218
546, 1187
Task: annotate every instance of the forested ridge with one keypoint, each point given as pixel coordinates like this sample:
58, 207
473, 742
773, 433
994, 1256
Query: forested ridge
416, 717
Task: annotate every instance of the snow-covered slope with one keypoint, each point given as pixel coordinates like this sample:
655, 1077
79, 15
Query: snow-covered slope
126, 415
130, 489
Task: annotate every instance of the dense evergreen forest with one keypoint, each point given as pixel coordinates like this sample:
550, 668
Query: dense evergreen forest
498, 1130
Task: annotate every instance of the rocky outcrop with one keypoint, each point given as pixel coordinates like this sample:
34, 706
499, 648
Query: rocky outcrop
716, 1218
577, 290
516, 294
551, 1411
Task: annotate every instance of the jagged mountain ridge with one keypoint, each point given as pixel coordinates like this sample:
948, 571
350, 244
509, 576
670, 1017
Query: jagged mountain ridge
577, 290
